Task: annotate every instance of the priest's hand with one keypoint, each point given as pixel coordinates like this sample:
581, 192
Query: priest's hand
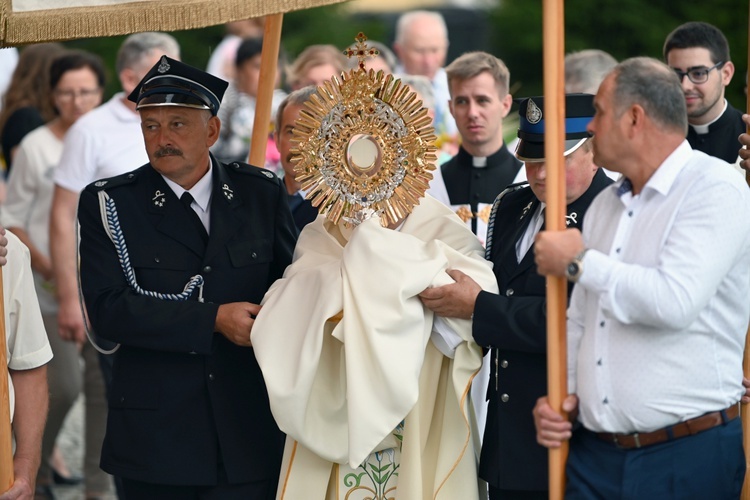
455, 300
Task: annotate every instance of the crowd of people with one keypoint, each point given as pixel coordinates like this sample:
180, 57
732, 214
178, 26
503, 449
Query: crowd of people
234, 343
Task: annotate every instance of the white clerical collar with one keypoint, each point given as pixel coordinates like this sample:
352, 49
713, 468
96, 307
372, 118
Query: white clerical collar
479, 161
201, 191
703, 129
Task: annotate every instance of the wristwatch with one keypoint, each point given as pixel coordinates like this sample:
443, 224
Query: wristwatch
575, 268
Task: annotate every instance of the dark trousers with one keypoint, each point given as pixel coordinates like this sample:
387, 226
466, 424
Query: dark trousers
260, 490
710, 464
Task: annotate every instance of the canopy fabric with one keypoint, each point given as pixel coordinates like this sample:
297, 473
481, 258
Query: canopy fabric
35, 21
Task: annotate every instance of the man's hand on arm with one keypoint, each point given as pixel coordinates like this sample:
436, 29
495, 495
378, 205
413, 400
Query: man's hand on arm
745, 143
3, 246
455, 300
554, 250
64, 263
551, 427
235, 321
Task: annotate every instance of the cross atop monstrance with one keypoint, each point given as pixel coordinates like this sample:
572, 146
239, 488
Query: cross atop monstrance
362, 51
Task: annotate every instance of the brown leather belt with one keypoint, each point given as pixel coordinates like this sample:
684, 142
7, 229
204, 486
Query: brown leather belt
682, 429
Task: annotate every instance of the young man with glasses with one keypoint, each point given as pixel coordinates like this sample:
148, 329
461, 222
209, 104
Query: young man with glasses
699, 54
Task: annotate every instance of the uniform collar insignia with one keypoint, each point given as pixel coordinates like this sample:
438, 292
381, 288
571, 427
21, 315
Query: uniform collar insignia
267, 174
228, 193
159, 198
573, 216
100, 183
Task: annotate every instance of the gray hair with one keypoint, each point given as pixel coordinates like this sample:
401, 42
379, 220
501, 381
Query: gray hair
585, 70
296, 98
139, 46
405, 21
422, 86
655, 87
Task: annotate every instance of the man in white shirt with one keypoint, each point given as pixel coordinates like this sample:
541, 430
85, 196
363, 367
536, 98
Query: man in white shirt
657, 320
421, 46
105, 142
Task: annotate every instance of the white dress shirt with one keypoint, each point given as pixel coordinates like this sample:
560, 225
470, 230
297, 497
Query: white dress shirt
657, 321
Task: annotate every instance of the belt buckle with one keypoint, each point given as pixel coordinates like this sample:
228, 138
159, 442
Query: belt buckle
636, 440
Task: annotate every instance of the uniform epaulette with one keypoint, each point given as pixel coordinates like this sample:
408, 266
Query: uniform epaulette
245, 168
119, 180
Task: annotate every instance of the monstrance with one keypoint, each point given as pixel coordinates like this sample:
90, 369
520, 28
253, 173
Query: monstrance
364, 145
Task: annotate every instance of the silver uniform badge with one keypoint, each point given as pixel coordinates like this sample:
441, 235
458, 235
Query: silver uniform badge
228, 193
100, 183
267, 174
572, 217
533, 113
163, 65
159, 198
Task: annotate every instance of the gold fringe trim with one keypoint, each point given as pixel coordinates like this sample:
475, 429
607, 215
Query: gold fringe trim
56, 25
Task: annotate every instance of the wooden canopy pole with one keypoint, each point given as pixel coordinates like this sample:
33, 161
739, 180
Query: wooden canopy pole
268, 61
745, 413
557, 296
6, 435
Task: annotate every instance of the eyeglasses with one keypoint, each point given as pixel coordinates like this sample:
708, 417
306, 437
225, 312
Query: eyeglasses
83, 94
697, 74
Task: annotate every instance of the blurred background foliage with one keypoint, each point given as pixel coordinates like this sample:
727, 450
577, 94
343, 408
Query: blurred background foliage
511, 29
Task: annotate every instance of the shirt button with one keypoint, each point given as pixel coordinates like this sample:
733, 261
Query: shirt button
601, 324
254, 255
605, 401
599, 362
630, 214
157, 259
504, 363
504, 398
207, 269
211, 376
122, 399
509, 292
618, 250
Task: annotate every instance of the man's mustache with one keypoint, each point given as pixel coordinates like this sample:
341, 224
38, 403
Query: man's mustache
167, 151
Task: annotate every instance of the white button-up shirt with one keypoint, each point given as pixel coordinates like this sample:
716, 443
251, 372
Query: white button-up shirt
657, 321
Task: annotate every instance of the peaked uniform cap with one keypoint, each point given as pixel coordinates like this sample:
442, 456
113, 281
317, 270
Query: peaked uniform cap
579, 110
173, 83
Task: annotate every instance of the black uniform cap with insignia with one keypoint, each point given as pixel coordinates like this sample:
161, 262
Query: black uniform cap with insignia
174, 83
579, 110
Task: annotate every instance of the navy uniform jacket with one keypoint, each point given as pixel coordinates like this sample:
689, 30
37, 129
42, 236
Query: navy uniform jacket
183, 398
514, 324
721, 140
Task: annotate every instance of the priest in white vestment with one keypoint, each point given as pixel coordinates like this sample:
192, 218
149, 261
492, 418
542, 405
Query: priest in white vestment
371, 389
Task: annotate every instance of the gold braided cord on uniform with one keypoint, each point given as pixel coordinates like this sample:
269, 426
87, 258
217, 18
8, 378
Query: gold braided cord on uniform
19, 28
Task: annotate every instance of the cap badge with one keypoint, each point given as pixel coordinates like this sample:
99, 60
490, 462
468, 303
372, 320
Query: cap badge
163, 65
572, 217
228, 193
159, 198
533, 113
526, 210
100, 183
267, 174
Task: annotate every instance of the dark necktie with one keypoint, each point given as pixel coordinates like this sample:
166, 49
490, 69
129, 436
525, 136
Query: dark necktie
187, 200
